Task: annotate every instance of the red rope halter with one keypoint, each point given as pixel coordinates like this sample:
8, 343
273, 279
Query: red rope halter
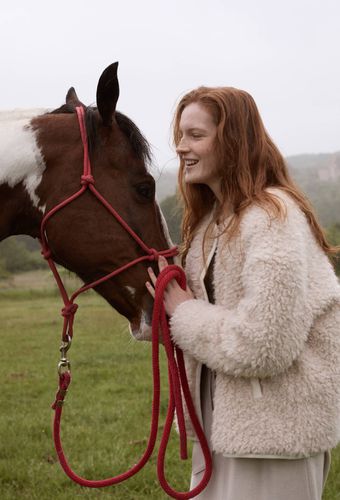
176, 371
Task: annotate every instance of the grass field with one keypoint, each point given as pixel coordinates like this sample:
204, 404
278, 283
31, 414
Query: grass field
107, 414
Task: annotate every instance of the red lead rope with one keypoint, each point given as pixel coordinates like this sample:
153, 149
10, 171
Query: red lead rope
178, 384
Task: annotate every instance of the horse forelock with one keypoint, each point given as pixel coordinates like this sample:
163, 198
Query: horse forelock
138, 142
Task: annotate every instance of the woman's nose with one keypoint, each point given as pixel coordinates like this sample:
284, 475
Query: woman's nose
182, 147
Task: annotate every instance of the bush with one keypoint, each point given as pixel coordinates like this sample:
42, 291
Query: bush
15, 257
3, 271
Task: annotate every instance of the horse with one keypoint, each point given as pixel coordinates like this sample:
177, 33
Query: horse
41, 165
77, 178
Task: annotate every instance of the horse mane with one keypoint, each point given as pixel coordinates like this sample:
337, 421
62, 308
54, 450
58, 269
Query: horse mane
138, 142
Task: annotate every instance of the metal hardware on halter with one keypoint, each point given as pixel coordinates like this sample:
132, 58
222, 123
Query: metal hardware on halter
65, 346
64, 364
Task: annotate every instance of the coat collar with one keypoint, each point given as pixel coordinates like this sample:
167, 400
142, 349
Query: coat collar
197, 264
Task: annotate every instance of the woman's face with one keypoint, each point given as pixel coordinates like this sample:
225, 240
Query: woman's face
197, 147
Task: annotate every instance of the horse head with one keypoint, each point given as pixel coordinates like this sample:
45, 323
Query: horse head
83, 236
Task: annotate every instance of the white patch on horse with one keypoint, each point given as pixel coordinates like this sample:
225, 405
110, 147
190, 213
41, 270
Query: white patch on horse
167, 235
131, 290
145, 330
21, 158
165, 227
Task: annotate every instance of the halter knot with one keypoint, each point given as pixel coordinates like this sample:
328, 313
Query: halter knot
69, 310
86, 180
153, 254
46, 253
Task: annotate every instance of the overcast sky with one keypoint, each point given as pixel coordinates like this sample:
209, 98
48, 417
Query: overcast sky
285, 53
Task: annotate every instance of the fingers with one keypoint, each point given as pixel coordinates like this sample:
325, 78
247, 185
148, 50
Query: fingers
150, 289
162, 264
152, 275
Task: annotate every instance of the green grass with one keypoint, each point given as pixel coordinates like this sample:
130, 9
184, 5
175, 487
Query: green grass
106, 417
107, 414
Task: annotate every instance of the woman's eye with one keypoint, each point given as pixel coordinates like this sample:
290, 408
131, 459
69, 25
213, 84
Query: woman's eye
146, 190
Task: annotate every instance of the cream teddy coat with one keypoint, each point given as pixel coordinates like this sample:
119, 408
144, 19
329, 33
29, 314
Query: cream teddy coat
272, 337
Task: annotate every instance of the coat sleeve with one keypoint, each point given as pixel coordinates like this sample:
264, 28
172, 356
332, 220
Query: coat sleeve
268, 329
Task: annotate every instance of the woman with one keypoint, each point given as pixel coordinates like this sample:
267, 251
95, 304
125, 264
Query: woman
259, 322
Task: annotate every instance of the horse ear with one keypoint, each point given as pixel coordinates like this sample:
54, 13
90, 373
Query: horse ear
108, 93
72, 98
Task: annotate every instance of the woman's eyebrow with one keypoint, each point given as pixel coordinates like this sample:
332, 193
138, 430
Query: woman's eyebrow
193, 129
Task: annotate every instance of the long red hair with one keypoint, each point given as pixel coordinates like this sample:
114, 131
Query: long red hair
249, 163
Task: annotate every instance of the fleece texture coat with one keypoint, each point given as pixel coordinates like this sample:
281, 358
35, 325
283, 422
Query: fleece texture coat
272, 337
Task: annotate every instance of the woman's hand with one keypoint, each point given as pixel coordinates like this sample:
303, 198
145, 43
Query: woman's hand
174, 295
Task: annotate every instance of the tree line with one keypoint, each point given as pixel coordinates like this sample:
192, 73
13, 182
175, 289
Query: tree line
19, 254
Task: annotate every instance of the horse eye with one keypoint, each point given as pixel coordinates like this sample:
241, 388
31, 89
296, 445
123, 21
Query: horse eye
146, 190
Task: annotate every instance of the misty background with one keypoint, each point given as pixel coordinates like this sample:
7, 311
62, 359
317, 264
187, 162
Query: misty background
286, 54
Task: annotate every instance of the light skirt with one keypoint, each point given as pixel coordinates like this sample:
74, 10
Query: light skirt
256, 478
265, 479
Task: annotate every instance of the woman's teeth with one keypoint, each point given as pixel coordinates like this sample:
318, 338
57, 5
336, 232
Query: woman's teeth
190, 163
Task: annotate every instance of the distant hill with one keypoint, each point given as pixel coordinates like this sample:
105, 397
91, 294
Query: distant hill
323, 167
308, 161
319, 178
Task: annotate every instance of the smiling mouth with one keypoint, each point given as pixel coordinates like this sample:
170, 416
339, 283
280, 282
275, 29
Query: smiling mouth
190, 163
